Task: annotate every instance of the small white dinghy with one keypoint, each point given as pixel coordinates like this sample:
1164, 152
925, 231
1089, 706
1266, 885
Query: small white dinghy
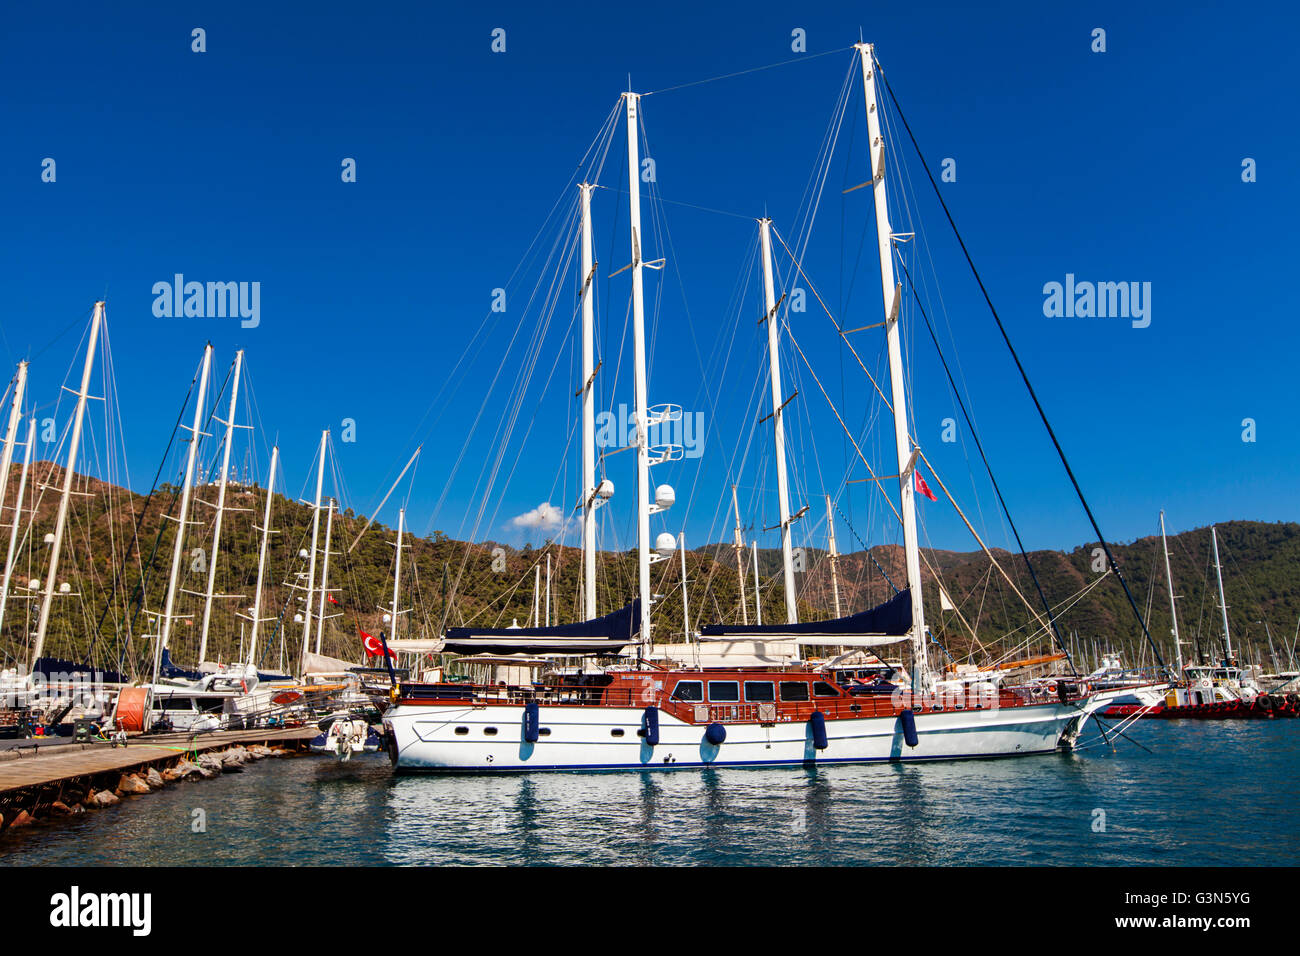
344, 735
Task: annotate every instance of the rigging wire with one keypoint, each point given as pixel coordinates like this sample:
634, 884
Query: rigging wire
1023, 374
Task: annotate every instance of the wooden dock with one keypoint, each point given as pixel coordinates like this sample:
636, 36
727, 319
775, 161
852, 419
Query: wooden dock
52, 765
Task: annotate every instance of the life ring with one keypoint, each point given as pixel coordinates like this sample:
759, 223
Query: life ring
1051, 687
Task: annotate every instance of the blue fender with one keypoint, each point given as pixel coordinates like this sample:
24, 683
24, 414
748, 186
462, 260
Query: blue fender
650, 725
908, 720
532, 722
817, 725
715, 734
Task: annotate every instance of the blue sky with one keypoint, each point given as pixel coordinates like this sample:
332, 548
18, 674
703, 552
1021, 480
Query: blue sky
225, 166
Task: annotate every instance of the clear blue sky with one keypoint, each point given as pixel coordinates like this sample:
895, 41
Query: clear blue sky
225, 165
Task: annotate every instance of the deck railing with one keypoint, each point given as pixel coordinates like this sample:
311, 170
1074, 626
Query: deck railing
698, 712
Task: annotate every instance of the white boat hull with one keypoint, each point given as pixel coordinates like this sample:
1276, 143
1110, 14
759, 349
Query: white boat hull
425, 738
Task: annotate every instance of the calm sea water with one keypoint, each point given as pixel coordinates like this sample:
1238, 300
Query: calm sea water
1208, 794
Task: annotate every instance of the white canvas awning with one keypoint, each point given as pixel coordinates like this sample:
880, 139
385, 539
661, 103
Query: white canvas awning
415, 645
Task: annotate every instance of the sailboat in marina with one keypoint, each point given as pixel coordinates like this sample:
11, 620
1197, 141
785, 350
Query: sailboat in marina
1206, 689
630, 712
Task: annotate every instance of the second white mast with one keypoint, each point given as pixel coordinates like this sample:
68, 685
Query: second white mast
1173, 607
182, 517
778, 421
69, 473
221, 504
261, 558
893, 299
638, 341
588, 413
1223, 603
315, 538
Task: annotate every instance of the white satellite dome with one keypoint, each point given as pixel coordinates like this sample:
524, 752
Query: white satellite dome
665, 544
605, 489
665, 497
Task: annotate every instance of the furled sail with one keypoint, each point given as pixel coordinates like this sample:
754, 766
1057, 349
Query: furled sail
888, 623
601, 635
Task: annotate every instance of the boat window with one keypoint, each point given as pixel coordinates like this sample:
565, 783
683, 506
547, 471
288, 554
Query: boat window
176, 703
823, 689
691, 691
759, 691
724, 691
544, 731
212, 705
490, 731
794, 690
616, 732
462, 730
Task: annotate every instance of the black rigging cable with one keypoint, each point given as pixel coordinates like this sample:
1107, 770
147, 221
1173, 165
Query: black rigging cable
989, 468
1023, 374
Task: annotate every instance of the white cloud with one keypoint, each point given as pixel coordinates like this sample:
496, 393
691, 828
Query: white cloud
546, 517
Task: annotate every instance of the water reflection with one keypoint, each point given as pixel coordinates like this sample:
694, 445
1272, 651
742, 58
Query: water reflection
1208, 795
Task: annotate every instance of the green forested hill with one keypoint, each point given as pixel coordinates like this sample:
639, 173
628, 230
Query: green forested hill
106, 559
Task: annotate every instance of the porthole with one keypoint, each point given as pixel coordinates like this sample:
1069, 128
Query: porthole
490, 731
616, 732
544, 731
462, 730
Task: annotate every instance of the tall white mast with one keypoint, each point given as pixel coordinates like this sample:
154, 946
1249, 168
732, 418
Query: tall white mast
11, 432
588, 413
739, 546
537, 591
261, 558
183, 516
221, 505
548, 590
1223, 604
324, 575
778, 420
17, 519
834, 555
397, 572
315, 535
1173, 607
758, 596
686, 611
639, 365
893, 300
61, 521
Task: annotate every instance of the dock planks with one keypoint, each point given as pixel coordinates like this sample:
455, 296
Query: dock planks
40, 769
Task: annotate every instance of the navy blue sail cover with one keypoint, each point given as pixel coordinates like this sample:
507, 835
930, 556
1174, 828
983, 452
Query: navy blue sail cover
891, 619
57, 669
600, 635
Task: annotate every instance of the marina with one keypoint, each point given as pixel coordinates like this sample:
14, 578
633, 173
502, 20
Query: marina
649, 439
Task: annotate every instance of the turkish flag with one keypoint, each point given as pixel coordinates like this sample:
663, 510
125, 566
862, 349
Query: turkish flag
330, 598
922, 488
374, 647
